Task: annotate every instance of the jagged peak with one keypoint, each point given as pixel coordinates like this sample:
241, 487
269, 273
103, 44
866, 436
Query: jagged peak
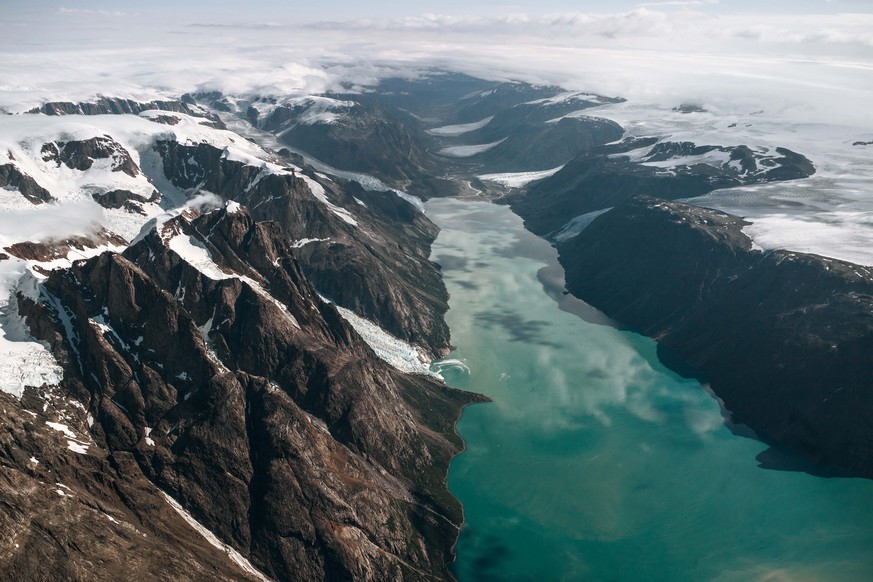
220, 245
80, 154
104, 105
52, 250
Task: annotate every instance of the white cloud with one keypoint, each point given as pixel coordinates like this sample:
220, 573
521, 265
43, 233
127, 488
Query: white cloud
50, 221
681, 3
641, 54
86, 12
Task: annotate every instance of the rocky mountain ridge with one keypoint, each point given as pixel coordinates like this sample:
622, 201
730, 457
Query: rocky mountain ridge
783, 338
273, 387
368, 251
118, 106
207, 389
12, 177
608, 175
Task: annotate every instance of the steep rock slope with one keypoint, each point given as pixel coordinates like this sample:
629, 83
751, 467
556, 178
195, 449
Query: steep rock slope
417, 134
524, 143
13, 178
212, 369
784, 338
536, 134
362, 137
608, 175
72, 511
367, 251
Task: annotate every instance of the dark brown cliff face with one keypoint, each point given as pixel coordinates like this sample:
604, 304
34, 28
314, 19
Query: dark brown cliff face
48, 251
80, 155
124, 199
379, 268
785, 339
82, 517
385, 142
12, 177
237, 391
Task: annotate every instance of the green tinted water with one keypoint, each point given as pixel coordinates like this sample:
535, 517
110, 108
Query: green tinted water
594, 462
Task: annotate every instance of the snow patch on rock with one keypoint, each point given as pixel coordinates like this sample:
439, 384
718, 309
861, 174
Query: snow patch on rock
213, 540
195, 253
305, 241
466, 151
396, 352
519, 179
460, 129
577, 225
74, 443
320, 194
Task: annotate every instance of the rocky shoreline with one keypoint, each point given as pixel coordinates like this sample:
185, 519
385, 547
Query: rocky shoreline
783, 338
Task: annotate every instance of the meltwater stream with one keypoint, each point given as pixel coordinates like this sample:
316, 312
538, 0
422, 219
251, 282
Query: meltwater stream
594, 462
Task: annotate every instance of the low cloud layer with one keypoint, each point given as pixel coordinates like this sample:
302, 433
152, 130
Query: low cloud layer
812, 67
50, 221
640, 27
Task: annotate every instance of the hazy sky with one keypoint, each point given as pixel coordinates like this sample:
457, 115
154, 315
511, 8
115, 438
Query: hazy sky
811, 59
313, 11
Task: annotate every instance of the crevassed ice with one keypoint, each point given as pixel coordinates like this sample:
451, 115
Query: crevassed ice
23, 360
396, 352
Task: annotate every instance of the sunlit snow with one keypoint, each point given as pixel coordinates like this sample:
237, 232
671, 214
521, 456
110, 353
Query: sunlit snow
319, 193
213, 540
519, 179
466, 151
398, 353
460, 129
195, 253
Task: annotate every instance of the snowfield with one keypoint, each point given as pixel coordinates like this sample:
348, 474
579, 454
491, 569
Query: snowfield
73, 211
519, 179
460, 129
466, 151
829, 213
396, 352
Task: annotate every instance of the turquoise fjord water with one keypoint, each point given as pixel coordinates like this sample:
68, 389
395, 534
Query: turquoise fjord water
594, 462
